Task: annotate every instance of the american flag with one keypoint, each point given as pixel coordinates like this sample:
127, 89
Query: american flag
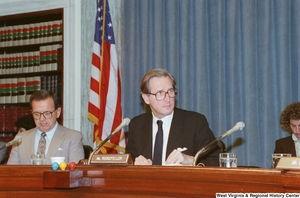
104, 107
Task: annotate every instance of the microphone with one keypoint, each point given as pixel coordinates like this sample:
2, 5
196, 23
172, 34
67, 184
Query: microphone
125, 122
15, 140
237, 127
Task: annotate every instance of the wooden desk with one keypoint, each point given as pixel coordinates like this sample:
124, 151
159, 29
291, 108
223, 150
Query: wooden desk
144, 181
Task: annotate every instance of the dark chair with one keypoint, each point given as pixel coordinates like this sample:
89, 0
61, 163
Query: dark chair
222, 146
4, 153
87, 151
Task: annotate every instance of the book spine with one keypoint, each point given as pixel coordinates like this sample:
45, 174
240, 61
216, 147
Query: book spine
5, 64
26, 34
2, 91
59, 86
48, 58
36, 61
43, 38
8, 64
25, 62
9, 36
1, 63
21, 34
2, 119
48, 83
49, 31
2, 37
14, 90
36, 84
43, 82
37, 33
29, 88
7, 88
30, 62
19, 63
31, 33
21, 90
43, 58
13, 59
15, 35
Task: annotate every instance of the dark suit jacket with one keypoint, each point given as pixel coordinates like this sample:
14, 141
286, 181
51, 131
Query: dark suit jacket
285, 145
188, 129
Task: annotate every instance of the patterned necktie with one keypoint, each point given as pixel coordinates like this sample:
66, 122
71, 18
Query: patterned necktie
157, 157
42, 144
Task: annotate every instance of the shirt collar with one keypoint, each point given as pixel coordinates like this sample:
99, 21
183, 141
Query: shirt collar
49, 133
166, 119
295, 138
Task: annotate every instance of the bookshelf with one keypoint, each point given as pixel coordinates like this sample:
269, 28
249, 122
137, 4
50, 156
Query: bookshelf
31, 58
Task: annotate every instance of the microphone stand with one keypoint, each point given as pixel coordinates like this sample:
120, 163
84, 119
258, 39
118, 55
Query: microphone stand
237, 126
124, 123
98, 148
205, 148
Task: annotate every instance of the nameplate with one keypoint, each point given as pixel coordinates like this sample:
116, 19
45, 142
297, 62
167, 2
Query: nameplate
111, 159
289, 163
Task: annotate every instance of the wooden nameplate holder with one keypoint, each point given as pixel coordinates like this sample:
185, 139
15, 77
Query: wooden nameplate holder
289, 163
111, 159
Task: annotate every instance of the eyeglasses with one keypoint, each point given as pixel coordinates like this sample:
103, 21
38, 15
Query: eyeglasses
46, 114
160, 95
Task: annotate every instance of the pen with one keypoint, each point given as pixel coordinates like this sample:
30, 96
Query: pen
181, 149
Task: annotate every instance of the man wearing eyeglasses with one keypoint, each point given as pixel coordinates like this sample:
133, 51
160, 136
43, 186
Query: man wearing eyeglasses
183, 133
49, 137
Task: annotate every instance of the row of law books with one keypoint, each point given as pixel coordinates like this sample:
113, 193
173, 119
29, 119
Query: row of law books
19, 90
46, 59
8, 117
32, 33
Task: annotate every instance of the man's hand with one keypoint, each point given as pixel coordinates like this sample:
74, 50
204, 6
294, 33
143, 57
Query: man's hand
177, 157
141, 160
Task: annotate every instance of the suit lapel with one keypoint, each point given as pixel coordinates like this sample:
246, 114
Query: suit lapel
291, 145
56, 141
147, 135
175, 134
29, 143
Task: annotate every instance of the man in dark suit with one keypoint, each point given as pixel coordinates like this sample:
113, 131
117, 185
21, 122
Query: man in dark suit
59, 140
290, 122
181, 128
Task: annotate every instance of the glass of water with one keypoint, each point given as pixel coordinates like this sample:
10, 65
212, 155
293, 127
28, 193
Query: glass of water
228, 160
38, 159
276, 157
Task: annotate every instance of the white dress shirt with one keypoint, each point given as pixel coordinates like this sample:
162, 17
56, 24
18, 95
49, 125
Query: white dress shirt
167, 120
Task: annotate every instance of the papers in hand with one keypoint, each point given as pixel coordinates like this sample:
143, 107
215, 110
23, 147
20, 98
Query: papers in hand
177, 164
181, 149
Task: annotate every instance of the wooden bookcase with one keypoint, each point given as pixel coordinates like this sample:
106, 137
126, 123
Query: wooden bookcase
31, 58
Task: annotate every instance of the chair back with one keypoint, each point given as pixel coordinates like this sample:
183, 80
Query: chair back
222, 146
87, 151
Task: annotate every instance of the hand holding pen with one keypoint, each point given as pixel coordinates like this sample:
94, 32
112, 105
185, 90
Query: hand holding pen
178, 158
